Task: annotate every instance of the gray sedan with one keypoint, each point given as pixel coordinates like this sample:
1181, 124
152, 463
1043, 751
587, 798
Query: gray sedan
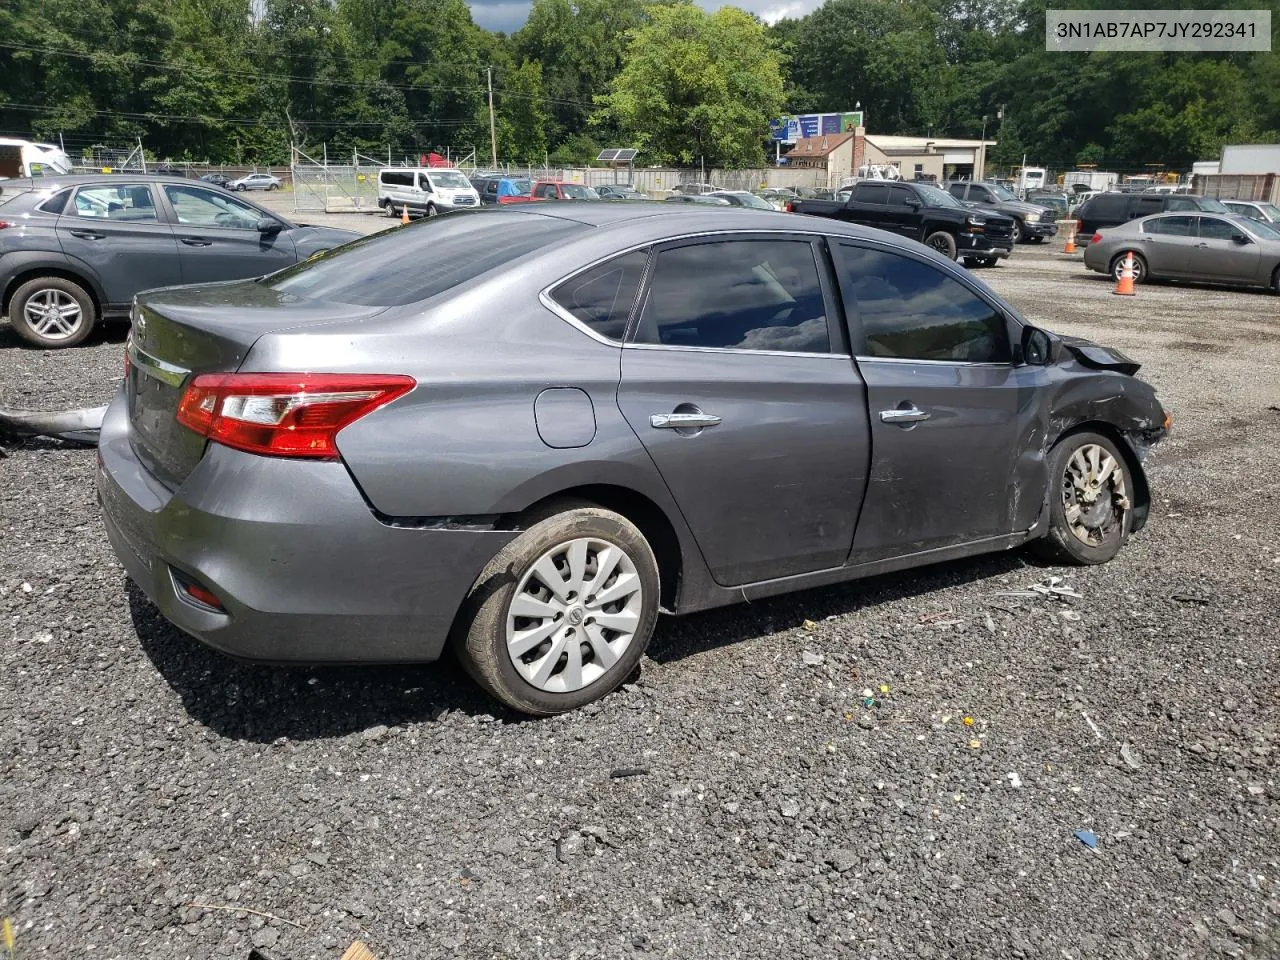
255, 181
75, 250
567, 418
1184, 246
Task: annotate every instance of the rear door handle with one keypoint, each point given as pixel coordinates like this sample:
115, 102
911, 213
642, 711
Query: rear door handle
196, 241
682, 421
907, 415
87, 234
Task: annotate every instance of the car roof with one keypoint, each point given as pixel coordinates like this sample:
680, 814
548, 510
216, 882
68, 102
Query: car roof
59, 181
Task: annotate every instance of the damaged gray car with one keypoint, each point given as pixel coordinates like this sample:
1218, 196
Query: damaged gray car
569, 418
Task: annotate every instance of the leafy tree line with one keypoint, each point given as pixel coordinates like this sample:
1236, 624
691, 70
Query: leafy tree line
240, 80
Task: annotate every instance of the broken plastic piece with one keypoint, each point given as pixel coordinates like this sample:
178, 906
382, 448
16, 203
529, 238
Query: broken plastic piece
77, 426
1087, 838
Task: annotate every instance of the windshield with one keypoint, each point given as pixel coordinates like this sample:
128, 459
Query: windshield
1267, 231
445, 251
1209, 205
1004, 193
1271, 210
575, 191
451, 179
937, 198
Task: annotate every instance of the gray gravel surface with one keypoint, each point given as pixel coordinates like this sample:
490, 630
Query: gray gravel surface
740, 798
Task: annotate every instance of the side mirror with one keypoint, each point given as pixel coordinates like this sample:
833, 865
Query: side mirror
1037, 347
268, 225
1240, 238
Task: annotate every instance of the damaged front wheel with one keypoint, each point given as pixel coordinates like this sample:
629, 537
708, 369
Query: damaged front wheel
1090, 501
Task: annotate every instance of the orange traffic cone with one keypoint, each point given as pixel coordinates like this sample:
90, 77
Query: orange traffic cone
404, 213
1071, 238
1124, 286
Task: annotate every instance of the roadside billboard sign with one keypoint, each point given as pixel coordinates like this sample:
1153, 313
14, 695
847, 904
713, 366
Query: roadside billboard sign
791, 128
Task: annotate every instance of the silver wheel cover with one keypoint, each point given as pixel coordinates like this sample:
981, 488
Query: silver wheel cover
573, 615
53, 314
1095, 498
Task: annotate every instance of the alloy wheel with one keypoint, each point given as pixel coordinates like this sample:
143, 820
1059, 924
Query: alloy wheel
938, 244
1095, 498
573, 615
53, 314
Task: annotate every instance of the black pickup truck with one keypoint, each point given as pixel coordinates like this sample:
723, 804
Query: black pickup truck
922, 212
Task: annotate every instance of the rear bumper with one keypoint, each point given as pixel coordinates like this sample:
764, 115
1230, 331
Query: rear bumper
304, 570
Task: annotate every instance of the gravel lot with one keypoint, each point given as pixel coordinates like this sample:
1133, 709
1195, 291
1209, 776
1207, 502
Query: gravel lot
142, 776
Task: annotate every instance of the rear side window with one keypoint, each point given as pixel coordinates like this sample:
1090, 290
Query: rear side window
131, 202
55, 204
411, 264
397, 178
871, 193
1105, 208
912, 311
737, 295
958, 189
601, 298
1171, 226
1145, 206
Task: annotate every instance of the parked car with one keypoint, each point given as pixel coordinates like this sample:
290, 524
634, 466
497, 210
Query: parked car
504, 477
496, 189
1183, 246
255, 181
743, 198
75, 250
694, 188
167, 170
1112, 209
424, 190
1254, 210
560, 190
619, 191
921, 212
1058, 202
705, 199
1031, 221
217, 179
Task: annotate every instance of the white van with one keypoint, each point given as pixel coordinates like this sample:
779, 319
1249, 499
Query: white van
22, 158
428, 190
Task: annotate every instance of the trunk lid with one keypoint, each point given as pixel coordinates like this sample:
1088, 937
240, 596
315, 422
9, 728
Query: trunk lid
179, 332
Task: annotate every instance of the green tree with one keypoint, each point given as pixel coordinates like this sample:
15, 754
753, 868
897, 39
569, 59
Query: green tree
697, 87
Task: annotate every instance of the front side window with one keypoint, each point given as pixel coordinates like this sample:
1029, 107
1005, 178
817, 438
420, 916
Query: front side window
737, 294
205, 208
1171, 226
1211, 228
449, 180
912, 311
601, 298
935, 197
900, 197
116, 202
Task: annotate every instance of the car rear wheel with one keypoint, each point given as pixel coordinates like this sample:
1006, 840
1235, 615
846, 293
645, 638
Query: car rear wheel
562, 615
431, 210
1090, 501
1139, 267
942, 242
1275, 281
52, 312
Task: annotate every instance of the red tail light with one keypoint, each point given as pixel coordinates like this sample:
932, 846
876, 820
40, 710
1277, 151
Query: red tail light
1096, 238
284, 414
5, 224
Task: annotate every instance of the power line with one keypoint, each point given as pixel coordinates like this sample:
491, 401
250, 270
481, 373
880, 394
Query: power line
246, 121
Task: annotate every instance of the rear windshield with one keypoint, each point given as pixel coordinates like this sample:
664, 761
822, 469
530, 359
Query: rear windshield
412, 263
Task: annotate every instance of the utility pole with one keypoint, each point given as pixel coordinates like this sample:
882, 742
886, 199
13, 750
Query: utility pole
493, 135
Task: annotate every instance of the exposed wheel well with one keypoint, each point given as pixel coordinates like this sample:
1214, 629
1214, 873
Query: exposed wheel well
34, 272
641, 511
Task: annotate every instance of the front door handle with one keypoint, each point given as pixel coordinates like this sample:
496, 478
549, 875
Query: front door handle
87, 234
907, 415
196, 241
682, 421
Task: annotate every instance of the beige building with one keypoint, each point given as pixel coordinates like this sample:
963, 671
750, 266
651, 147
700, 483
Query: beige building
840, 155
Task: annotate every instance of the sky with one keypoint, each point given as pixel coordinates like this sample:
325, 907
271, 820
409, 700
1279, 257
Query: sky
507, 16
